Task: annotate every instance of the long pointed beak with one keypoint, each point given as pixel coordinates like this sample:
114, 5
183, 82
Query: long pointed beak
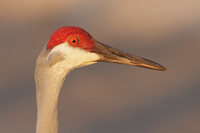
108, 54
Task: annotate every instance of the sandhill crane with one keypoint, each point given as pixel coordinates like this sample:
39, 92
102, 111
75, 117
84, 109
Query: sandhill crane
69, 48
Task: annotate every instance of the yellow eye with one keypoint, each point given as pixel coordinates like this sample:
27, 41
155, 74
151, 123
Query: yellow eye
73, 40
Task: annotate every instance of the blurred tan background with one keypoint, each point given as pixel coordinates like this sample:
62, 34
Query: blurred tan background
106, 98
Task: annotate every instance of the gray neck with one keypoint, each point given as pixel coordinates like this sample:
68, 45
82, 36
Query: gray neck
48, 85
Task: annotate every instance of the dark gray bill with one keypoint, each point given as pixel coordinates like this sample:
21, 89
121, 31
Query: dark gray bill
113, 55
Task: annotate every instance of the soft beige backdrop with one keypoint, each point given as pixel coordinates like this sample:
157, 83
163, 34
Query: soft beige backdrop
106, 98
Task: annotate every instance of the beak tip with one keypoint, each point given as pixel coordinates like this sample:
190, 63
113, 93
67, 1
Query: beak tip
161, 68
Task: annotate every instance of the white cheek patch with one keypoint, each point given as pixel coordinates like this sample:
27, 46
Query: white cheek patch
70, 56
54, 57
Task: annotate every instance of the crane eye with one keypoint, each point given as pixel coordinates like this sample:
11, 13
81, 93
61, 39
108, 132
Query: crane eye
74, 40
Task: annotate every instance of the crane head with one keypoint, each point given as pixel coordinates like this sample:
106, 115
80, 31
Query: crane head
75, 47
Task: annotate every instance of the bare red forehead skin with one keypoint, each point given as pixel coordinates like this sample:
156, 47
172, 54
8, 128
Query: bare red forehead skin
61, 35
